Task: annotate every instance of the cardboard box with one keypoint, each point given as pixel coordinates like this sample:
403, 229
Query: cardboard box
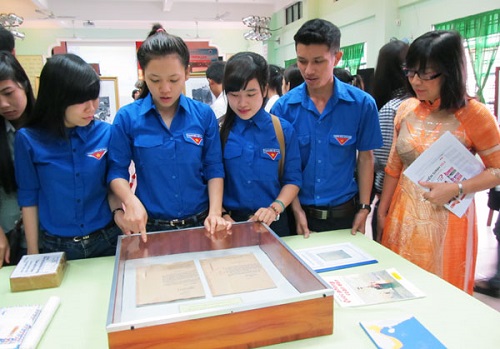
38, 271
302, 309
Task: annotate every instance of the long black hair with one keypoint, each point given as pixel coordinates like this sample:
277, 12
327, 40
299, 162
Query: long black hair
159, 44
389, 76
66, 79
240, 69
11, 69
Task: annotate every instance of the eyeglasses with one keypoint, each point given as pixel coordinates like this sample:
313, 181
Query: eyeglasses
410, 73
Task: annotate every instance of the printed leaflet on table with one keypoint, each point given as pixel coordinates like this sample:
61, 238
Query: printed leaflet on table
381, 286
404, 332
335, 256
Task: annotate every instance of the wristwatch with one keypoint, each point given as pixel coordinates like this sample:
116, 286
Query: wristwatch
364, 207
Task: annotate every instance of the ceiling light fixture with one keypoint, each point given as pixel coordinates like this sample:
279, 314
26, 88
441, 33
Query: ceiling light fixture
10, 21
259, 28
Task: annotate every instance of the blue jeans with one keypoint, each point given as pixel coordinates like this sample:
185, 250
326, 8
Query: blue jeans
100, 243
495, 280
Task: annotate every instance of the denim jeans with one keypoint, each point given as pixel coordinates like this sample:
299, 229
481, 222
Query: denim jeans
99, 244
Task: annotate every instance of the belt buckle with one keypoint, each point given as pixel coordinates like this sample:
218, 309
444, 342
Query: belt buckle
323, 214
175, 222
80, 238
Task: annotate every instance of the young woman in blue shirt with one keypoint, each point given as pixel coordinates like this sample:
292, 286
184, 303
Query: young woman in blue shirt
254, 187
61, 165
174, 144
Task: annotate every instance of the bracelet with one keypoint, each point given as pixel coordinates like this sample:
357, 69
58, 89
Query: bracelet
281, 204
460, 189
224, 213
116, 210
275, 212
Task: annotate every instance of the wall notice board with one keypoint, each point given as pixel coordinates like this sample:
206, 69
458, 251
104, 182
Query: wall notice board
33, 65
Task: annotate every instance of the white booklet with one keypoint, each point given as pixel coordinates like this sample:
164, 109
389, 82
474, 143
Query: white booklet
335, 256
381, 286
446, 161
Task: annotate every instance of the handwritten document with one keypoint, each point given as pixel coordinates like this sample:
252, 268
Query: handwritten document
160, 283
235, 274
446, 161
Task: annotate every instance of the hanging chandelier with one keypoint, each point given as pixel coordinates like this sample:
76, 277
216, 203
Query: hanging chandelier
259, 28
11, 21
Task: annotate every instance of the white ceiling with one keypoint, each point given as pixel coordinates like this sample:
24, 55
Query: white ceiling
131, 14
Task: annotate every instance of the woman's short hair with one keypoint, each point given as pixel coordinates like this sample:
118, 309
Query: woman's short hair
443, 51
65, 80
159, 44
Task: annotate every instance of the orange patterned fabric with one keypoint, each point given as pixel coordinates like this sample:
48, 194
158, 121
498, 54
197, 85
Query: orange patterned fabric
426, 234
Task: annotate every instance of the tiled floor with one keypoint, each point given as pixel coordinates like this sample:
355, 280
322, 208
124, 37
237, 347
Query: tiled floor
487, 249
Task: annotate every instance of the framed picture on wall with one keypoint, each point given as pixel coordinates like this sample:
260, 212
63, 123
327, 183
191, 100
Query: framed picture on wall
108, 99
197, 88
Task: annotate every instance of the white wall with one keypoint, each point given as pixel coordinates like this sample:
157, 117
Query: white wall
114, 59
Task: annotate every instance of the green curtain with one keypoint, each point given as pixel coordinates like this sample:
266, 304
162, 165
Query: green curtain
289, 62
482, 35
351, 57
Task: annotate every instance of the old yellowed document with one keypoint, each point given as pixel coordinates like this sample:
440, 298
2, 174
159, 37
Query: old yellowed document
235, 274
160, 283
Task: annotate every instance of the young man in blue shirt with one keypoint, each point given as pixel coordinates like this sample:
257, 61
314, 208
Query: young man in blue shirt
337, 127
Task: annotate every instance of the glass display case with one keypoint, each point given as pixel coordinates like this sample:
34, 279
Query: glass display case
189, 289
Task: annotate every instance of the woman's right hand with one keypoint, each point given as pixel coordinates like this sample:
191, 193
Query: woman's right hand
135, 218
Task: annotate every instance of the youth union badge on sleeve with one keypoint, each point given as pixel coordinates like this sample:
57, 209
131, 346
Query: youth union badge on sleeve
272, 153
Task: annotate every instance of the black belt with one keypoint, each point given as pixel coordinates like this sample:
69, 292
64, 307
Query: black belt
323, 213
80, 238
180, 222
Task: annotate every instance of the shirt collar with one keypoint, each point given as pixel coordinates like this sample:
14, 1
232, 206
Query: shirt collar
259, 119
147, 104
81, 132
9, 127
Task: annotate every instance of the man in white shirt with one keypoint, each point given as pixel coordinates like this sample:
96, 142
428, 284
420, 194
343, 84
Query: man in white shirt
215, 73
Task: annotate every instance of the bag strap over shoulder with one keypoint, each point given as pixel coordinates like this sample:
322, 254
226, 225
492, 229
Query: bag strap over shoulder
281, 139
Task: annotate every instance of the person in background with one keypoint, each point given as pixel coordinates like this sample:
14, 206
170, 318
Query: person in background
343, 75
174, 143
254, 187
215, 74
16, 102
61, 165
389, 92
7, 41
491, 287
357, 80
337, 127
135, 93
291, 78
274, 86
415, 223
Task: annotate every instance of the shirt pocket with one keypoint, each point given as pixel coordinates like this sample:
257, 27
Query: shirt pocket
151, 149
269, 160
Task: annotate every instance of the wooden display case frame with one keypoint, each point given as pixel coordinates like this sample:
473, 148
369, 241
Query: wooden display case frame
307, 315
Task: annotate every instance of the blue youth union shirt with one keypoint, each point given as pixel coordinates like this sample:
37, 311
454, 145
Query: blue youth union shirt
65, 178
172, 165
329, 141
251, 162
